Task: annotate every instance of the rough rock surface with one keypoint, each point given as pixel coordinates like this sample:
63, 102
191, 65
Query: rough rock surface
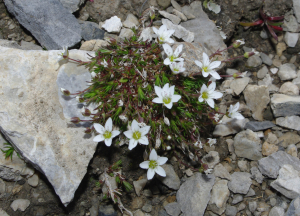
34, 115
72, 5
259, 126
294, 208
91, 30
219, 193
291, 122
20, 204
113, 25
194, 194
257, 98
48, 21
229, 126
287, 71
180, 32
240, 182
285, 105
171, 180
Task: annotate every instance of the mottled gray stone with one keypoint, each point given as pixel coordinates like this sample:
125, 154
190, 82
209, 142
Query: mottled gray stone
259, 126
33, 180
238, 85
211, 159
175, 19
250, 193
72, 5
176, 5
276, 211
254, 61
194, 194
291, 122
291, 39
91, 30
294, 208
126, 33
164, 3
139, 186
48, 21
237, 198
107, 210
262, 72
171, 180
247, 145
221, 172
266, 59
290, 23
231, 211
35, 116
187, 11
21, 204
296, 7
285, 105
10, 44
256, 175
287, 71
240, 182
180, 32
269, 166
252, 206
219, 195
173, 209
229, 126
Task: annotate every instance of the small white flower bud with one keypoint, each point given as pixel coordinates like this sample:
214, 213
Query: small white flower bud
167, 122
120, 103
93, 74
123, 118
169, 137
168, 148
65, 92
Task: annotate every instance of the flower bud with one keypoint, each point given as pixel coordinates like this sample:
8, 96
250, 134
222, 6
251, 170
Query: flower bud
65, 92
168, 148
235, 75
169, 137
167, 122
79, 99
238, 43
75, 120
93, 74
246, 54
86, 112
88, 130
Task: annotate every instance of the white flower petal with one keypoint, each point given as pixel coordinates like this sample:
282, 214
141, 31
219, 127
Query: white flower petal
168, 49
158, 90
203, 88
178, 50
198, 63
175, 98
162, 160
158, 100
145, 165
153, 155
215, 75
167, 61
210, 102
172, 90
98, 138
236, 107
144, 140
237, 115
169, 40
169, 105
204, 74
156, 31
115, 133
108, 142
214, 64
200, 99
150, 174
165, 88
212, 87
99, 128
128, 134
205, 59
216, 95
135, 126
108, 124
145, 130
132, 144
160, 171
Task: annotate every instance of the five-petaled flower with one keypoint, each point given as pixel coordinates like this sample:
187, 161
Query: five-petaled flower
233, 111
137, 135
208, 67
172, 56
207, 94
153, 165
106, 133
166, 95
177, 67
163, 34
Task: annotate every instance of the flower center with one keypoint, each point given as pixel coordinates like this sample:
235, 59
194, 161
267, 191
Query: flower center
161, 39
152, 164
167, 100
172, 58
205, 69
107, 134
176, 69
205, 95
136, 135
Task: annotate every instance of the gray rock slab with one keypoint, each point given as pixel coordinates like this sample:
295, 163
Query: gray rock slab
221, 172
254, 61
194, 194
204, 29
270, 166
294, 208
287, 71
229, 126
91, 30
285, 105
262, 72
248, 145
187, 11
33, 180
230, 210
48, 21
238, 85
259, 126
10, 44
291, 122
291, 39
276, 211
139, 186
173, 209
175, 19
240, 182
171, 180
256, 175
72, 5
3, 213
180, 32
34, 115
219, 193
296, 7
266, 59
176, 5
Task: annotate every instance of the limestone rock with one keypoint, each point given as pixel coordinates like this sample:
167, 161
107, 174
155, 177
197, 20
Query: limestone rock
93, 45
21, 204
285, 105
267, 81
240, 182
280, 48
268, 149
271, 165
254, 61
291, 122
257, 98
292, 150
294, 208
131, 21
72, 5
126, 33
113, 25
262, 72
173, 209
3, 213
266, 59
211, 159
288, 182
171, 180
291, 39
247, 145
147, 34
221, 172
287, 71
289, 88
194, 194
238, 85
259, 126
139, 186
48, 21
219, 194
180, 15
33, 180
175, 19
91, 30
34, 115
187, 11
180, 32
289, 138
176, 5
256, 175
296, 7
164, 3
229, 126
29, 46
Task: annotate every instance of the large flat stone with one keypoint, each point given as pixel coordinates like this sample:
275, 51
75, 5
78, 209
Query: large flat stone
270, 166
34, 116
259, 126
285, 105
72, 5
194, 194
48, 21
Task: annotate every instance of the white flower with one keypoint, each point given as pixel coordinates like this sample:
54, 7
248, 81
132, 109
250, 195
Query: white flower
163, 34
208, 171
166, 95
211, 141
172, 57
123, 118
168, 148
233, 111
198, 144
217, 118
255, 52
244, 74
208, 67
93, 74
207, 94
154, 165
120, 103
241, 42
169, 137
137, 135
104, 63
107, 133
177, 67
166, 121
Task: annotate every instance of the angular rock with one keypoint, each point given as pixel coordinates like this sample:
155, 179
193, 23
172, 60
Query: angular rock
113, 25
291, 39
240, 182
254, 61
285, 105
270, 166
72, 5
276, 211
93, 45
267, 81
252, 206
91, 31
280, 48
187, 11
256, 175
289, 88
229, 126
48, 21
180, 32
257, 98
210, 37
288, 182
29, 46
219, 194
173, 209
296, 7
175, 19
291, 122
231, 210
292, 150
238, 85
290, 23
211, 159
221, 172
194, 194
294, 208
243, 165
147, 34
21, 204
236, 199
266, 59
33, 180
34, 115
247, 145
126, 33
289, 138
171, 180
139, 186
268, 149
3, 213
259, 126
262, 72
176, 5
287, 71
164, 3
131, 21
